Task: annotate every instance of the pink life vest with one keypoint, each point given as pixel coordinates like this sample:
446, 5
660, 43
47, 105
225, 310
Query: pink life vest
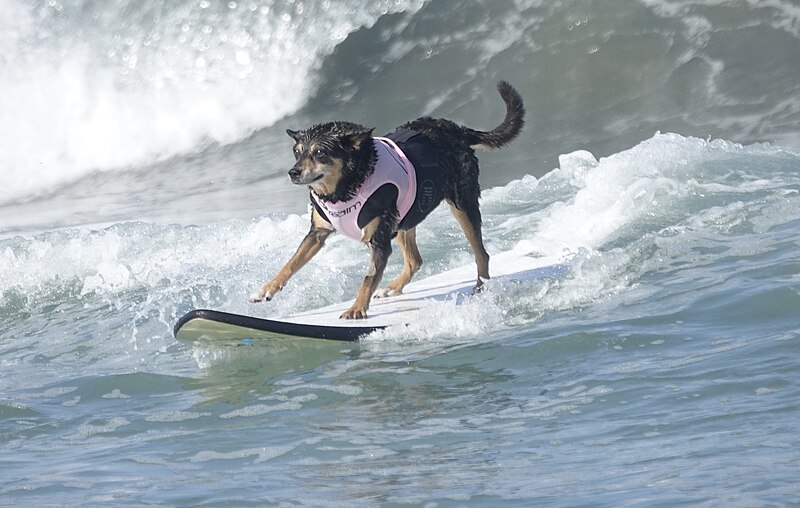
392, 166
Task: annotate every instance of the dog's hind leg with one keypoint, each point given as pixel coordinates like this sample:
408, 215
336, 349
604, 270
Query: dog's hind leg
412, 261
470, 221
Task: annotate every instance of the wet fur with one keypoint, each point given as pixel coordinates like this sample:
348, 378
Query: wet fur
334, 158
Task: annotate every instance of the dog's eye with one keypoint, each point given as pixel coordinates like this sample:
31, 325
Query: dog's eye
318, 153
298, 150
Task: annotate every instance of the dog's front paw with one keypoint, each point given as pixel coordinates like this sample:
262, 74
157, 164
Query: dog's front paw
262, 295
386, 293
354, 313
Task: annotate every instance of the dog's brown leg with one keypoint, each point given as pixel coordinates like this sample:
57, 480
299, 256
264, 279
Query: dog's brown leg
412, 261
471, 224
311, 244
378, 237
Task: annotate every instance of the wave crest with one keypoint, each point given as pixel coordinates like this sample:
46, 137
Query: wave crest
96, 85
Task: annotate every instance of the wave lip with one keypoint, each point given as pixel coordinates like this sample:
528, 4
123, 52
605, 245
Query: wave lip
94, 86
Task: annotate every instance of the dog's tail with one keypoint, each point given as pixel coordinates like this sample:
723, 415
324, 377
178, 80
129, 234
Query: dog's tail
511, 126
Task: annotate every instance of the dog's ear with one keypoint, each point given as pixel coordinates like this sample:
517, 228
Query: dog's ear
295, 135
356, 140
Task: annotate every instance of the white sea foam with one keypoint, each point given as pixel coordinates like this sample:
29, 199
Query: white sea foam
262, 454
341, 389
116, 394
631, 195
52, 393
107, 426
125, 87
604, 211
177, 416
262, 409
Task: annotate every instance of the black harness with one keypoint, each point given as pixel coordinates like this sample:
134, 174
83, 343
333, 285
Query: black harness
430, 176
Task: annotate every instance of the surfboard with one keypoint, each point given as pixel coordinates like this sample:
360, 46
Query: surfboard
456, 285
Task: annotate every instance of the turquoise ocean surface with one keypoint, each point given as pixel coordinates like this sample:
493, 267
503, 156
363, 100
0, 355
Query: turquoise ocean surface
143, 158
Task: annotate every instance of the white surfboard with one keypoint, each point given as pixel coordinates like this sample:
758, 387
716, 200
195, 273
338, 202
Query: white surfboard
457, 284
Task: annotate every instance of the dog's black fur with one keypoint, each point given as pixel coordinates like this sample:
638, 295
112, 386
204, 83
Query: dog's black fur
334, 158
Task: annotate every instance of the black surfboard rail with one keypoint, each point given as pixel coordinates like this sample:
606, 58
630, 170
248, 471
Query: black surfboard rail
339, 333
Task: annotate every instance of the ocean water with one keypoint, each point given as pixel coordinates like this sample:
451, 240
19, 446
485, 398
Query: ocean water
143, 160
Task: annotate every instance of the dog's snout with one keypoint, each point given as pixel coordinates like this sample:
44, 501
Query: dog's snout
294, 173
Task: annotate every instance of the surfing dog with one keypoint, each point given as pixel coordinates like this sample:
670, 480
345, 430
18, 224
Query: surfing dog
375, 189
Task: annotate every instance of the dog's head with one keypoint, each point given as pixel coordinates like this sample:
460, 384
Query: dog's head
331, 155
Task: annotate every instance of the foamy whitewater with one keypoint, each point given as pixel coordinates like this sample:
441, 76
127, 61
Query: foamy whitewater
144, 159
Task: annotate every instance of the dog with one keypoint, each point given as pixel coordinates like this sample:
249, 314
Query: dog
375, 189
